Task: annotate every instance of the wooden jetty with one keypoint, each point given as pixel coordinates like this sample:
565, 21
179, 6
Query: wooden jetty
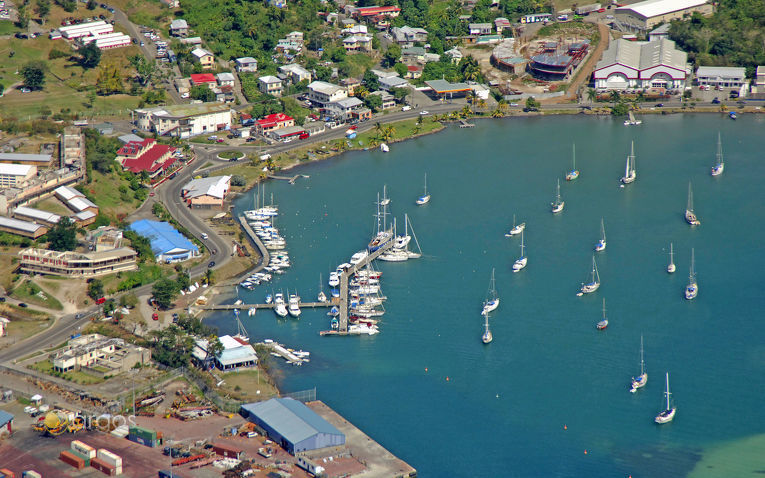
265, 257
302, 305
465, 124
290, 179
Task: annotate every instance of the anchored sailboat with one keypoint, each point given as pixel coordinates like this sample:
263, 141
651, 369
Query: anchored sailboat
690, 216
671, 266
640, 380
668, 414
629, 172
486, 337
594, 283
520, 263
425, 198
558, 205
517, 228
719, 166
492, 299
574, 173
604, 322
692, 289
601, 245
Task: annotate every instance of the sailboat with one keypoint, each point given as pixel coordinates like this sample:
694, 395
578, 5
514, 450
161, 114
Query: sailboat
574, 173
486, 337
385, 199
558, 205
692, 289
604, 322
719, 164
594, 283
690, 216
425, 198
384, 234
517, 228
521, 262
640, 380
671, 266
629, 172
321, 296
668, 414
601, 245
492, 299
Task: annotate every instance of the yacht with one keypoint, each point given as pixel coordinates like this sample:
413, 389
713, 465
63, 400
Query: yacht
671, 266
668, 414
719, 166
692, 289
425, 198
517, 228
363, 329
603, 322
641, 379
520, 263
690, 216
574, 173
294, 306
558, 205
358, 257
630, 173
601, 245
280, 308
486, 338
334, 279
594, 283
384, 147
492, 299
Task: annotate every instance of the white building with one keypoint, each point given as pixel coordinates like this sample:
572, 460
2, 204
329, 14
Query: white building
237, 352
15, 175
270, 85
225, 79
86, 29
321, 92
627, 64
643, 16
246, 64
108, 40
206, 192
184, 121
296, 72
721, 76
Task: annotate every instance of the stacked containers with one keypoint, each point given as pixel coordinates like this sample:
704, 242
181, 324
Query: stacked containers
144, 436
82, 450
70, 458
107, 462
6, 473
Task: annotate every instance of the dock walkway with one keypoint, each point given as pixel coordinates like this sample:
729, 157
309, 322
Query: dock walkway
343, 319
264, 306
265, 257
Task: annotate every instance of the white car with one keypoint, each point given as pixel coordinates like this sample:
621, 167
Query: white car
406, 108
424, 112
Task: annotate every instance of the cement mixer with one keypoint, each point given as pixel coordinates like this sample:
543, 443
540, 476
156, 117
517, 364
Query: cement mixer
56, 422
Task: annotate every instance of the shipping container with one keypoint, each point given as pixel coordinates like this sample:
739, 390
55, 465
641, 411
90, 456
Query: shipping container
227, 450
103, 467
108, 457
30, 474
71, 459
6, 473
84, 457
83, 449
142, 441
144, 433
167, 474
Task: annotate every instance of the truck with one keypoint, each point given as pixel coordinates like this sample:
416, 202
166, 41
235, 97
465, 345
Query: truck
587, 9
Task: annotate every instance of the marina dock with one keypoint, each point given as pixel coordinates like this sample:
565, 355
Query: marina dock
265, 257
465, 124
280, 350
302, 305
289, 179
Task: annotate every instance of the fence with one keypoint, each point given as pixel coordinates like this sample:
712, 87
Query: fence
302, 395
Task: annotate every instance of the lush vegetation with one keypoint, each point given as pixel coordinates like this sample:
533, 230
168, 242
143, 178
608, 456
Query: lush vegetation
734, 35
172, 346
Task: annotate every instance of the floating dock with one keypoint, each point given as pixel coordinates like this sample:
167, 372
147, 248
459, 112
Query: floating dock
465, 124
282, 351
267, 306
265, 257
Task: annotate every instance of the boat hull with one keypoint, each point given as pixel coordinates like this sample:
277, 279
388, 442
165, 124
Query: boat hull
639, 382
602, 324
691, 291
600, 246
690, 218
590, 288
556, 208
487, 337
571, 175
423, 200
520, 264
666, 416
718, 170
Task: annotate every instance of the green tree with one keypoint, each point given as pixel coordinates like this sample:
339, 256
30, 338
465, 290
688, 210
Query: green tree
532, 104
400, 94
90, 55
238, 180
373, 102
128, 300
95, 289
91, 5
203, 93
109, 80
164, 292
43, 9
214, 346
34, 75
68, 5
22, 19
391, 55
63, 236
401, 69
144, 68
371, 81
210, 276
592, 95
183, 280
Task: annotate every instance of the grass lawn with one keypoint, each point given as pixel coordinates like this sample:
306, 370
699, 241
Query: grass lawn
46, 367
20, 329
151, 14
8, 263
249, 385
7, 27
359, 63
230, 155
53, 205
33, 294
105, 189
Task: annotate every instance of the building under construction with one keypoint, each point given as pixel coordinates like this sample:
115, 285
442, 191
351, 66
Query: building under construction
555, 60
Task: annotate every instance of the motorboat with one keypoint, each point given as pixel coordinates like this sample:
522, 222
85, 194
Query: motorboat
334, 311
334, 279
358, 257
294, 306
363, 329
269, 298
384, 147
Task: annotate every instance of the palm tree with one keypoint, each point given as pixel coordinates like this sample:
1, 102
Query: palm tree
502, 105
482, 104
497, 113
466, 111
615, 96
341, 145
592, 95
387, 133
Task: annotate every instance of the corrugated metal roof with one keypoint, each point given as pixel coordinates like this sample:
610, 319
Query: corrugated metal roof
721, 71
37, 214
291, 419
19, 225
5, 417
164, 237
654, 8
215, 186
37, 158
15, 169
643, 55
67, 193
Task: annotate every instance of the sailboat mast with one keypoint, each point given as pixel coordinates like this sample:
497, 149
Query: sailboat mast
719, 149
667, 393
573, 147
690, 197
642, 363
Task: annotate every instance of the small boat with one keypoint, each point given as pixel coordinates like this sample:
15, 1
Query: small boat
269, 299
425, 198
671, 266
358, 257
334, 323
668, 414
321, 296
692, 289
334, 279
594, 283
558, 205
601, 245
281, 310
690, 216
574, 173
384, 148
486, 338
520, 263
363, 329
640, 380
719, 166
334, 311
629, 172
517, 228
492, 299
294, 306
732, 115
604, 322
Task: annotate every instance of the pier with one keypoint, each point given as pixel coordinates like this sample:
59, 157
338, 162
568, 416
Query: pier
289, 179
265, 257
465, 124
302, 305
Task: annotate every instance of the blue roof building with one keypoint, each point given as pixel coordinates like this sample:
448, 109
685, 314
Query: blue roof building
292, 425
167, 244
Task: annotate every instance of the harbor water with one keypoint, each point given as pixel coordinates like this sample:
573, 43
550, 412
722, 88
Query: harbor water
550, 395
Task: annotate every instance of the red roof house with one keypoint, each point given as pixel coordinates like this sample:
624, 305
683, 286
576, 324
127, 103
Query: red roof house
146, 155
374, 11
203, 79
274, 121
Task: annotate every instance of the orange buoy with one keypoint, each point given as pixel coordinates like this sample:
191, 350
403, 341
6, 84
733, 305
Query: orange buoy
565, 427
447, 379
585, 452
426, 369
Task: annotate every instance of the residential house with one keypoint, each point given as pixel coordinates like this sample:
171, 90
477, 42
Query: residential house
179, 28
360, 114
341, 109
407, 36
759, 79
206, 193
94, 352
374, 13
77, 264
296, 37
391, 82
501, 23
413, 72
277, 3
146, 155
413, 54
273, 122
388, 100
431, 57
295, 72
350, 85
270, 85
479, 28
171, 3
357, 43
183, 121
224, 94
204, 58
225, 79
207, 79
322, 93
246, 64
355, 29
285, 46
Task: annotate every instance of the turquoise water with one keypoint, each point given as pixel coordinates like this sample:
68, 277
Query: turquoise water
550, 386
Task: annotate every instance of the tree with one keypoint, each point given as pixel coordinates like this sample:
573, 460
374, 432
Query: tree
128, 300
90, 55
401, 69
400, 94
238, 180
371, 81
91, 5
391, 55
164, 291
34, 75
109, 80
373, 102
68, 5
210, 276
95, 289
592, 95
43, 8
23, 18
532, 104
183, 280
63, 236
203, 93
143, 68
214, 346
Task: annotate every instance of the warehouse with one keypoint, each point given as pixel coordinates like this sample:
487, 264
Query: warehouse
23, 158
626, 64
292, 425
646, 15
167, 244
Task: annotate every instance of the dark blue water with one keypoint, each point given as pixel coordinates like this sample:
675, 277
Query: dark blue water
550, 386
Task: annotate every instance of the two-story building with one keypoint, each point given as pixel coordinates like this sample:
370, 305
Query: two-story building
322, 93
357, 43
183, 121
721, 76
273, 122
341, 109
246, 64
179, 28
204, 58
146, 155
295, 73
407, 36
479, 28
270, 85
77, 264
225, 79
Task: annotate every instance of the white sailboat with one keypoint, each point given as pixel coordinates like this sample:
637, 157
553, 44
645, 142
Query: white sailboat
385, 199
601, 245
640, 380
692, 289
492, 299
604, 321
632, 121
321, 296
574, 173
594, 283
486, 338
558, 205
517, 228
690, 216
671, 266
425, 198
520, 263
629, 172
668, 414
719, 166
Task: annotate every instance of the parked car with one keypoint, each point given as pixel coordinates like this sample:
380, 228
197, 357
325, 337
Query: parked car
22, 304
716, 101
211, 265
155, 316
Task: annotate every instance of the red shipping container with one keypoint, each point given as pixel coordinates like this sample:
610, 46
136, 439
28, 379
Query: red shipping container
71, 459
226, 450
103, 467
7, 473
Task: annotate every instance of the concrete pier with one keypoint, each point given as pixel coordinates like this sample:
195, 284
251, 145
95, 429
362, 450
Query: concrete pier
343, 319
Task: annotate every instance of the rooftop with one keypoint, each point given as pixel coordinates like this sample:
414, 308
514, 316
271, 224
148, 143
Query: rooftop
5, 418
215, 186
15, 169
202, 78
643, 55
269, 79
246, 60
26, 226
67, 193
185, 111
721, 71
163, 236
37, 214
21, 157
324, 87
178, 23
225, 76
200, 52
291, 418
443, 86
654, 8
